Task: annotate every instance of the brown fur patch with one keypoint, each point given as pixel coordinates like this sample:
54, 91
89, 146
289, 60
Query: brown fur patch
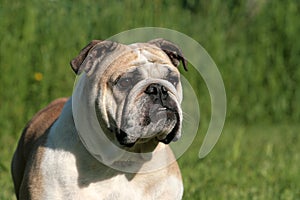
30, 150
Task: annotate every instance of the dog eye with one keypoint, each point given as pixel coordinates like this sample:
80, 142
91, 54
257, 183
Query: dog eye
124, 83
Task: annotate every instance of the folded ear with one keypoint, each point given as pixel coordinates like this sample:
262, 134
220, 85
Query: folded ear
171, 50
76, 62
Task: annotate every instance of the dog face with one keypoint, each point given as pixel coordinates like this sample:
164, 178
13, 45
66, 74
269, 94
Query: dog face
145, 102
135, 89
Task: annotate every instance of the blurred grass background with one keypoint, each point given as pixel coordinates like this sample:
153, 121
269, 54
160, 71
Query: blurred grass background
255, 44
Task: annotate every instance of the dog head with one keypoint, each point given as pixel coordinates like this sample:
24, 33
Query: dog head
134, 89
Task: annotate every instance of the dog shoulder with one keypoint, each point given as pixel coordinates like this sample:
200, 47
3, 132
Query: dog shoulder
38, 125
32, 136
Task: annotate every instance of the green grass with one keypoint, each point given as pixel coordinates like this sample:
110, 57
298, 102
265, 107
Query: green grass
255, 44
248, 162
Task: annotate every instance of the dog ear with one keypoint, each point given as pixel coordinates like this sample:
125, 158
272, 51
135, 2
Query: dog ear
171, 50
76, 62
95, 49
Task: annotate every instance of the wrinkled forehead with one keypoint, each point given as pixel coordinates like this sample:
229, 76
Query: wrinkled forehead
151, 58
149, 53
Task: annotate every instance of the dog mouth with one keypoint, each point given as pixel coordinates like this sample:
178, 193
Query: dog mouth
151, 113
170, 119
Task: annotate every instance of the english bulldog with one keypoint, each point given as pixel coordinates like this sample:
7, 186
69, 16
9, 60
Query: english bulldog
109, 140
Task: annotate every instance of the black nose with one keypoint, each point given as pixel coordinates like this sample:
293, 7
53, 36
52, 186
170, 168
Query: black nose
157, 92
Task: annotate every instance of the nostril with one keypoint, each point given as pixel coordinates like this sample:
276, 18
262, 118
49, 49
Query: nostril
164, 90
158, 93
152, 89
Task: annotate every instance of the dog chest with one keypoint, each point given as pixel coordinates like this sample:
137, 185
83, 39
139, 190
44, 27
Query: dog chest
64, 177
70, 172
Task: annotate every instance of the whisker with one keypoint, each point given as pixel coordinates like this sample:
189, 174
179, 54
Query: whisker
188, 118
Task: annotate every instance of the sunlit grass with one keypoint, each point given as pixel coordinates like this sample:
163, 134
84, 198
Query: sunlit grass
255, 44
248, 162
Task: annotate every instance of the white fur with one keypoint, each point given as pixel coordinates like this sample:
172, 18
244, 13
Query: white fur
72, 164
86, 122
61, 171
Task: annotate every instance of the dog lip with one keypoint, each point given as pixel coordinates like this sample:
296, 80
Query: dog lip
172, 134
123, 140
127, 144
166, 138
